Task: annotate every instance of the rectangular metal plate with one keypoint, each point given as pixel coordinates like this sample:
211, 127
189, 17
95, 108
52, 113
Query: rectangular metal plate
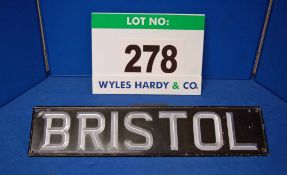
147, 131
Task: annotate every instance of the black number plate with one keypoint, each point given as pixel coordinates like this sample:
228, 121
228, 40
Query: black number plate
147, 131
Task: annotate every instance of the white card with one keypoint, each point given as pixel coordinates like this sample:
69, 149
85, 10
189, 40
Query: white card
147, 53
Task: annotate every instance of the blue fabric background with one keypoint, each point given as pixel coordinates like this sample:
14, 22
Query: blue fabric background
272, 72
21, 57
232, 35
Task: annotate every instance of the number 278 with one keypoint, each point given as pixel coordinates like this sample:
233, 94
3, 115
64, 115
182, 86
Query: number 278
154, 49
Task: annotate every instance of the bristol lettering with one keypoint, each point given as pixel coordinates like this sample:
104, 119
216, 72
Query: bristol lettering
152, 131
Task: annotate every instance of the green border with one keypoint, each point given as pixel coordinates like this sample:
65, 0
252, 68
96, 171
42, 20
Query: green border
175, 21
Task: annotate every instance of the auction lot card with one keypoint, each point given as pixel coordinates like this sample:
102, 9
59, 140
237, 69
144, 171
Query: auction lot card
147, 53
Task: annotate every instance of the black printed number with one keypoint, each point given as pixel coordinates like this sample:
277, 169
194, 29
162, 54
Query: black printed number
154, 49
170, 58
130, 66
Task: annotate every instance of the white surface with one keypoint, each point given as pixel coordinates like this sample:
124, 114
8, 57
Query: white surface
109, 59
